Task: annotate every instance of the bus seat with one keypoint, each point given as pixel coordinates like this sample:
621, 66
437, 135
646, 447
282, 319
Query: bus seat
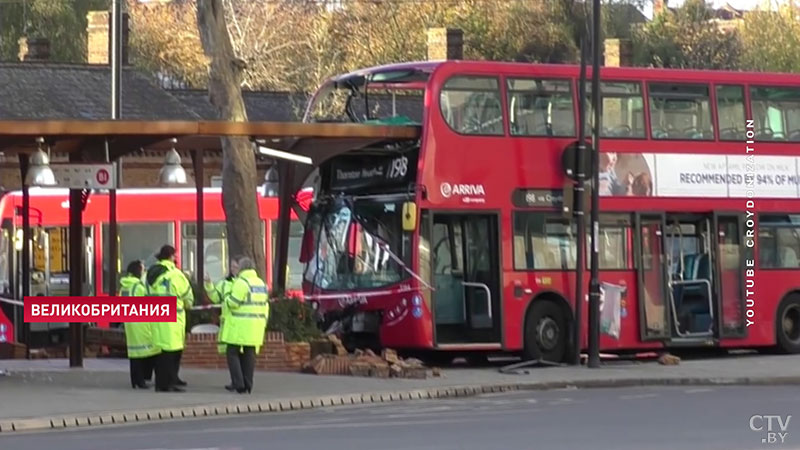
701, 322
789, 258
689, 263
702, 268
449, 300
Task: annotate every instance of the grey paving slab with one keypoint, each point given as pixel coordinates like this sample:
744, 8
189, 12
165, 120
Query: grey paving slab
49, 390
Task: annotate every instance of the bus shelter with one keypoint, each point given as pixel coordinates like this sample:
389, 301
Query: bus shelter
299, 149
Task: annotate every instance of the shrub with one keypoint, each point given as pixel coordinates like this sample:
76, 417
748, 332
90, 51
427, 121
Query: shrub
293, 318
203, 316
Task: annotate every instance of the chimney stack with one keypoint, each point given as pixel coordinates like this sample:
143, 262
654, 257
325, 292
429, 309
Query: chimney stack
34, 49
99, 42
659, 6
445, 43
618, 53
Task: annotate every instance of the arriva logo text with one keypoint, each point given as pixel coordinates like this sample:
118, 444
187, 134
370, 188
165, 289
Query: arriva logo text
448, 190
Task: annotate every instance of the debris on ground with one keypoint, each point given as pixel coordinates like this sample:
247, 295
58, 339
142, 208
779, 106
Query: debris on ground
365, 363
668, 360
338, 347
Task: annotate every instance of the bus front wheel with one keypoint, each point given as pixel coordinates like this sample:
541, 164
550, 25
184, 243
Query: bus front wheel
788, 324
545, 332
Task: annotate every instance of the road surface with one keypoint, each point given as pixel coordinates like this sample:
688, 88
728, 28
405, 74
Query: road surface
615, 419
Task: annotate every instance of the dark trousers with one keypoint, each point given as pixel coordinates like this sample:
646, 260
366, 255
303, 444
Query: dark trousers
242, 365
142, 370
178, 364
167, 370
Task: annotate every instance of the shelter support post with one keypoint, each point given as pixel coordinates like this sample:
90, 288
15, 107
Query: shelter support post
199, 178
113, 254
26, 249
76, 246
286, 199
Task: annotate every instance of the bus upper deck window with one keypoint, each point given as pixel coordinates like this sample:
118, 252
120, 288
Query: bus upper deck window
540, 107
622, 110
471, 105
680, 111
776, 113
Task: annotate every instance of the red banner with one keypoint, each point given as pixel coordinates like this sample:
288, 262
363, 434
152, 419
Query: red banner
100, 309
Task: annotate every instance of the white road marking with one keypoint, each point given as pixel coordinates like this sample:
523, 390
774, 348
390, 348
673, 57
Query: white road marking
635, 396
694, 391
207, 448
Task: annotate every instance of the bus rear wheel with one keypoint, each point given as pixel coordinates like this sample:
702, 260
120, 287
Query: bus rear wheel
545, 332
788, 324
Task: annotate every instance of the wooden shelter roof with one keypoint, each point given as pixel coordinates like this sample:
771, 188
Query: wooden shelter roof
124, 137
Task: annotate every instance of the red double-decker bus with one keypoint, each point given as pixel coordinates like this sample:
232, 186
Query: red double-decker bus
460, 241
147, 219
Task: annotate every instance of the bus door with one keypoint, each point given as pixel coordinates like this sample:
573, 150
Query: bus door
654, 322
730, 268
466, 278
50, 276
692, 275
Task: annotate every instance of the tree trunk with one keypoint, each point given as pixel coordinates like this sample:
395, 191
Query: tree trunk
239, 164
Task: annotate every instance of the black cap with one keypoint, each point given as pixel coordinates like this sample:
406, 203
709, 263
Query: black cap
166, 252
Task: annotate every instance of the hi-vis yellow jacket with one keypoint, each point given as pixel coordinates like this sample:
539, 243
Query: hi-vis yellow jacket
166, 280
138, 335
248, 314
217, 295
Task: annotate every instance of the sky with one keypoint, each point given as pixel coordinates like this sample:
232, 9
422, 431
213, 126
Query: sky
738, 4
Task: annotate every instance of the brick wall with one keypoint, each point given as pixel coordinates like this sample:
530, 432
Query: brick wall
275, 355
12, 350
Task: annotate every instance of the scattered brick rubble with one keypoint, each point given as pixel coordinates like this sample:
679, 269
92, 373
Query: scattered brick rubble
668, 360
365, 363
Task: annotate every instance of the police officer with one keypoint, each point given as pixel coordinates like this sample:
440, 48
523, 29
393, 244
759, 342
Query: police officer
217, 293
245, 325
142, 352
165, 279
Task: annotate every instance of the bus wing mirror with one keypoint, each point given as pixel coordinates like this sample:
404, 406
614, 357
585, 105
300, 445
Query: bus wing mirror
409, 216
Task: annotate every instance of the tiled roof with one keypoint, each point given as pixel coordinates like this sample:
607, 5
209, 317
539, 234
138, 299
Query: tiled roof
34, 90
43, 90
261, 106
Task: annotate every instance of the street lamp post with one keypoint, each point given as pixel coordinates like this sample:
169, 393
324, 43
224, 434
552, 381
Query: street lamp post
580, 216
594, 284
115, 61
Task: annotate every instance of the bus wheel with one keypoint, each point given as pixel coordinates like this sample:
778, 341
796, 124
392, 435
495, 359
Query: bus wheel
788, 324
545, 332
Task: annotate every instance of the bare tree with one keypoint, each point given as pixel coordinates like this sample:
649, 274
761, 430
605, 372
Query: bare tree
239, 164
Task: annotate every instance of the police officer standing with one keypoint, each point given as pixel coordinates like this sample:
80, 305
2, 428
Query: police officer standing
217, 294
245, 324
164, 279
142, 352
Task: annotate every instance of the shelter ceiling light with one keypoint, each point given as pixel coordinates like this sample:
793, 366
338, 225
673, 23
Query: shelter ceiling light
270, 186
39, 172
284, 155
172, 173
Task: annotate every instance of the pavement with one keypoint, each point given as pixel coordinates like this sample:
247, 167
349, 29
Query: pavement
45, 394
668, 418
